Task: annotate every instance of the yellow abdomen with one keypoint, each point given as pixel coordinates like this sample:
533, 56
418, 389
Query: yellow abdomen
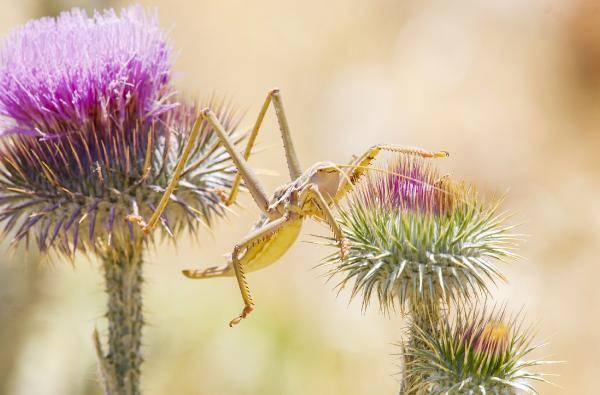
271, 249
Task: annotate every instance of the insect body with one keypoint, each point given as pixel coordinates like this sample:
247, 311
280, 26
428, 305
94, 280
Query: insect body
293, 202
309, 194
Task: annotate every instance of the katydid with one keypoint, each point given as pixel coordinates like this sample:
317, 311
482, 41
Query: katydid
310, 194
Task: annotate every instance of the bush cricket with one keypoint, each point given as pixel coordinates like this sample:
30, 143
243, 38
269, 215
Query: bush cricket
310, 194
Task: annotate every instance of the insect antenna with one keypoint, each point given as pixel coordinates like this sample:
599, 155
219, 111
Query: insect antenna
455, 193
388, 172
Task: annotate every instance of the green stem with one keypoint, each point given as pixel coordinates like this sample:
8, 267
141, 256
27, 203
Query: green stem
424, 315
120, 367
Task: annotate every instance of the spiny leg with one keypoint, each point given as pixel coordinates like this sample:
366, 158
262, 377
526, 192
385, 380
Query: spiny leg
248, 241
207, 154
274, 96
290, 152
363, 161
245, 171
250, 144
213, 271
164, 200
312, 192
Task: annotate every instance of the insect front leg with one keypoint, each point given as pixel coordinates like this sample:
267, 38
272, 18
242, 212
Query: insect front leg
361, 163
312, 192
253, 238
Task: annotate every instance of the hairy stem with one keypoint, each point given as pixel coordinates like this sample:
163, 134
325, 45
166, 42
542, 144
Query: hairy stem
424, 315
120, 367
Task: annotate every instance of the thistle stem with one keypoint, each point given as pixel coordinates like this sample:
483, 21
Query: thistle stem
120, 368
425, 315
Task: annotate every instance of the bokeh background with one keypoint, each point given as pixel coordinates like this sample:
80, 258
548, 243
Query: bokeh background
510, 87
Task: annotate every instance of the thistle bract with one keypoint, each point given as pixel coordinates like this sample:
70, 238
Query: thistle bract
92, 132
477, 352
416, 236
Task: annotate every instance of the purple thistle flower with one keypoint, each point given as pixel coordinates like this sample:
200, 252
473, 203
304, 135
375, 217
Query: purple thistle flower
60, 75
409, 183
417, 237
91, 132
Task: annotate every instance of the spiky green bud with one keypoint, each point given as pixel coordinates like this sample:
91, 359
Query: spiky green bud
481, 351
415, 235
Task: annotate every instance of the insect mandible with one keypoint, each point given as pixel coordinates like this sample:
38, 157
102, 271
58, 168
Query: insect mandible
310, 194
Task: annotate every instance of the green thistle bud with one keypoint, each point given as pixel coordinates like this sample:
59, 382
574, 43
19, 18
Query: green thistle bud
416, 236
478, 352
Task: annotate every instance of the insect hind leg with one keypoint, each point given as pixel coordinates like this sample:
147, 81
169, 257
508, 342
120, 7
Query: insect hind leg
211, 272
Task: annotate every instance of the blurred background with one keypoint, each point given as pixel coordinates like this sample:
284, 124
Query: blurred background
510, 87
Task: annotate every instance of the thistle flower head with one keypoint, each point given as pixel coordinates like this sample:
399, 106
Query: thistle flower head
477, 352
411, 185
91, 132
416, 236
491, 340
60, 75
